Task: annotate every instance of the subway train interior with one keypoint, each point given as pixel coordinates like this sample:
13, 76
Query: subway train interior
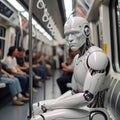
34, 30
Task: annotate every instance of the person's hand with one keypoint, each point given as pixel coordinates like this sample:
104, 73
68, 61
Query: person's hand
11, 76
23, 73
63, 64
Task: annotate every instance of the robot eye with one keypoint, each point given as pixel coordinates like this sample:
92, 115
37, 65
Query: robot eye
77, 34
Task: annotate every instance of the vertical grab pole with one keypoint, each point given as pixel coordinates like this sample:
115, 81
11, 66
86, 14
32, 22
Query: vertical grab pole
30, 58
44, 94
21, 29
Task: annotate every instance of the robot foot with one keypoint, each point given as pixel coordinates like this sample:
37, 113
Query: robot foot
37, 117
37, 108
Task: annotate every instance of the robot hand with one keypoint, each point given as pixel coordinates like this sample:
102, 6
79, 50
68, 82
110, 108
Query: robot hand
39, 108
42, 106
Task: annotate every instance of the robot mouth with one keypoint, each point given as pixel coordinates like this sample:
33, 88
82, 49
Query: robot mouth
72, 45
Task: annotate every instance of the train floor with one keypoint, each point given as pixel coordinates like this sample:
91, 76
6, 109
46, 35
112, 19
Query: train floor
11, 112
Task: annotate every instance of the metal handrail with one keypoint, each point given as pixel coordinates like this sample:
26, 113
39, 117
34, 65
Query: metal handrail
30, 59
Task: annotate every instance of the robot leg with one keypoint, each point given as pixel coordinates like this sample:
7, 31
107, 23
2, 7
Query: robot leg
66, 94
63, 114
37, 117
37, 106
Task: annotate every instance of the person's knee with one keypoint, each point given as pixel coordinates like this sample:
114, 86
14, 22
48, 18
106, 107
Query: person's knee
25, 80
10, 81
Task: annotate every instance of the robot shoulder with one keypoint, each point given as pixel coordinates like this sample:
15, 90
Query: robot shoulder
94, 49
97, 60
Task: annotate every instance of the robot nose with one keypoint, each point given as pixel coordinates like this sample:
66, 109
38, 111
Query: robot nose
70, 38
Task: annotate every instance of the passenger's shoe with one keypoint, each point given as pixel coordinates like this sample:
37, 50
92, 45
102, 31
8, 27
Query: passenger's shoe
27, 94
37, 77
34, 90
23, 99
40, 84
18, 102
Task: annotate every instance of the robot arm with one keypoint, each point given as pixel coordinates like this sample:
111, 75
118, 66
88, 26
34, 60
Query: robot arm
97, 63
93, 81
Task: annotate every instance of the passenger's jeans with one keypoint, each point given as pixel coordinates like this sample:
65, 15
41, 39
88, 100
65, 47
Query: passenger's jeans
13, 84
24, 81
41, 71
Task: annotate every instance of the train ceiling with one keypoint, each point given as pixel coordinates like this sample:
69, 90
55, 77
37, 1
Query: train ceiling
55, 8
50, 14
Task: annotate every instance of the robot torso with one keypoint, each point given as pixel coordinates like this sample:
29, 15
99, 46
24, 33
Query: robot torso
81, 67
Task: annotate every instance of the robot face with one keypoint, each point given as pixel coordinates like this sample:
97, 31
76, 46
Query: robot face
76, 31
73, 39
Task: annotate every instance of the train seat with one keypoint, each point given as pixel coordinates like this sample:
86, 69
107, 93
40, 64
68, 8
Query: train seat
112, 103
113, 100
5, 96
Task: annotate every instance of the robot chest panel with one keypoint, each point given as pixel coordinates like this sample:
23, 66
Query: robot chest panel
80, 71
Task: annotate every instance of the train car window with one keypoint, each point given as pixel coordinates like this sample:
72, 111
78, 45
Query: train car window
100, 35
115, 33
2, 44
17, 38
88, 2
2, 31
118, 26
54, 50
2, 38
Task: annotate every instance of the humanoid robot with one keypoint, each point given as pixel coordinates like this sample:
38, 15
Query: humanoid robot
89, 77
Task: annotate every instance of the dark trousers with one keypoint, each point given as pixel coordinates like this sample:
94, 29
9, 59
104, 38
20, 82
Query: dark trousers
41, 71
62, 83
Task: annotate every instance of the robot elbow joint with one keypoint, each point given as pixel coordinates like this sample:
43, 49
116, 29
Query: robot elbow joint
88, 96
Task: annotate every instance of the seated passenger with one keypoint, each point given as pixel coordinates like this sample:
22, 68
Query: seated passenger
11, 63
50, 61
14, 86
60, 54
21, 61
43, 61
66, 77
25, 67
37, 68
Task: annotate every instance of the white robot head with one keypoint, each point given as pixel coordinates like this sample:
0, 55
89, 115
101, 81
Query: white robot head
76, 30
